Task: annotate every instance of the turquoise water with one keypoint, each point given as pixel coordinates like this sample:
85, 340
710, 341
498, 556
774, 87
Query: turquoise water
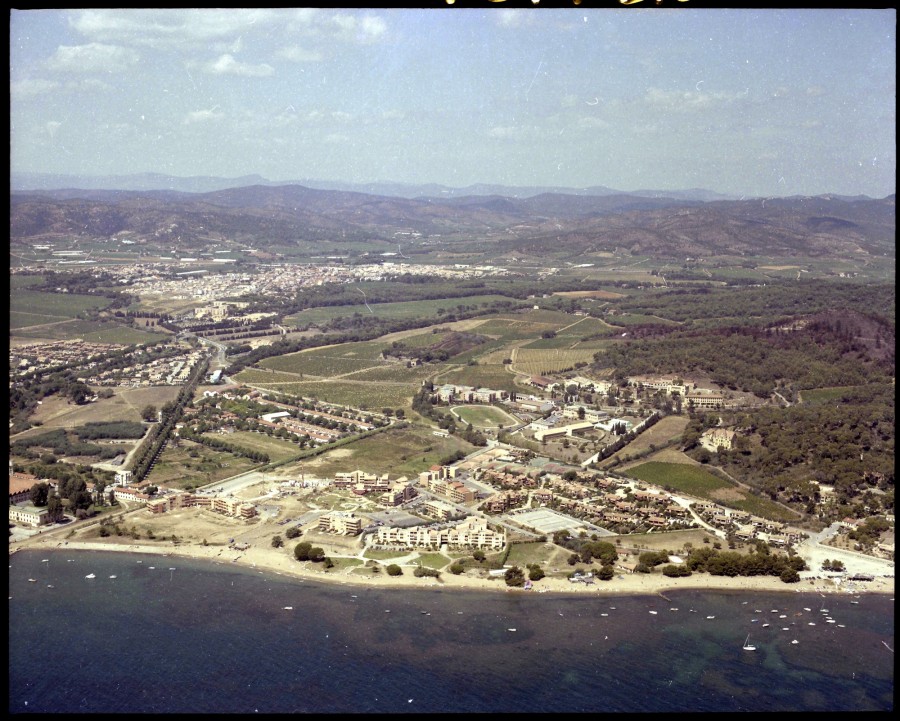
194, 636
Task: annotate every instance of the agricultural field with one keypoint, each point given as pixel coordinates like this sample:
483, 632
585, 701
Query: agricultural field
397, 373
359, 394
397, 451
262, 376
535, 362
394, 311
329, 361
484, 416
481, 376
87, 330
698, 482
602, 294
686, 478
276, 448
54, 305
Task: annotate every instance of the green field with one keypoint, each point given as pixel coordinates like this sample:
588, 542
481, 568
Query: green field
277, 449
398, 373
493, 376
88, 330
697, 481
690, 479
484, 416
362, 395
65, 305
395, 311
431, 560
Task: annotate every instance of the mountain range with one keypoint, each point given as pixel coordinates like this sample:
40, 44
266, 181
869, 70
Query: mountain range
551, 226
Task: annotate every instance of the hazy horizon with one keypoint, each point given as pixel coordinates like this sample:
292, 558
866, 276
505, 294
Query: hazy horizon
738, 102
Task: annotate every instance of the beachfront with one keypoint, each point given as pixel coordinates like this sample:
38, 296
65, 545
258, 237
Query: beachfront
282, 562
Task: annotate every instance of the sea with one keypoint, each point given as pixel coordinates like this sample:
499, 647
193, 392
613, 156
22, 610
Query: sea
105, 632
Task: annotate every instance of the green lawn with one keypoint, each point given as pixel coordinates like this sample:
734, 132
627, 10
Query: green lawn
484, 416
432, 560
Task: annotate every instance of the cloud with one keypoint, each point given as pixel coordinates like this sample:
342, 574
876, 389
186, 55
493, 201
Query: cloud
202, 116
509, 18
687, 100
508, 132
366, 29
31, 88
168, 28
227, 65
340, 116
297, 54
94, 57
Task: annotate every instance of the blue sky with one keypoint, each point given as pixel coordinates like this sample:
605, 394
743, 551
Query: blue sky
749, 102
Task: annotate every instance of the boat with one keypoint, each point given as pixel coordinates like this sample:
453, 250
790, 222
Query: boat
710, 616
783, 615
747, 645
90, 575
288, 608
112, 576
49, 585
811, 624
32, 580
807, 609
856, 602
510, 629
653, 612
795, 641
765, 625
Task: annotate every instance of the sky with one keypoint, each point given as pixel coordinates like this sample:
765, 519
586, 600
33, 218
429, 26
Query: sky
749, 102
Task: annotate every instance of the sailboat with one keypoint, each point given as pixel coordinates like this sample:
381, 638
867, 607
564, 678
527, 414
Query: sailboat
747, 645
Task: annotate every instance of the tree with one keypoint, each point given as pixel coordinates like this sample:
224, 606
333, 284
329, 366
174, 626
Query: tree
514, 576
457, 568
292, 532
40, 492
301, 550
316, 554
148, 413
478, 555
535, 572
394, 570
55, 508
277, 541
606, 573
790, 575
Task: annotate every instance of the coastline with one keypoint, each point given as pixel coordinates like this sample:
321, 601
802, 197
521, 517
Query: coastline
281, 562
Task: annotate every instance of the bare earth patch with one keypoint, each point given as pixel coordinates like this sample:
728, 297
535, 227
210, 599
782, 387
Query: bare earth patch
728, 494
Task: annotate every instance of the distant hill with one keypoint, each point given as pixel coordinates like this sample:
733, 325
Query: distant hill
553, 226
206, 184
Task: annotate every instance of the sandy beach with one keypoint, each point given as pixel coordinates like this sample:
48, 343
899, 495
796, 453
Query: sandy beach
281, 562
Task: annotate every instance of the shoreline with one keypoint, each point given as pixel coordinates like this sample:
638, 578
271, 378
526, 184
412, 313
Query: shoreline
281, 562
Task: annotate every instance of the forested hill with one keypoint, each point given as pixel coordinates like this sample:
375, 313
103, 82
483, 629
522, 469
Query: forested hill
550, 223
